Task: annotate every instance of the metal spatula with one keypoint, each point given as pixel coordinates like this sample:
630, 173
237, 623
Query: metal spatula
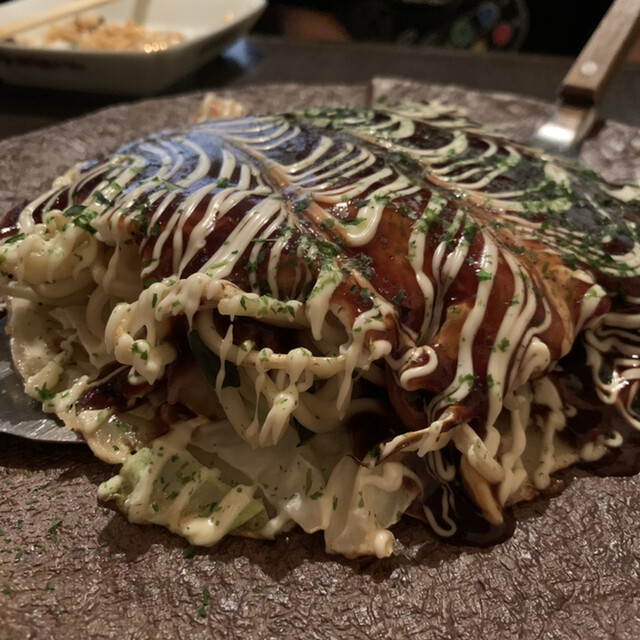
19, 414
588, 79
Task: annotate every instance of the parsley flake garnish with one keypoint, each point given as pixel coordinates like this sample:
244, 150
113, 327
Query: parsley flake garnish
16, 238
302, 205
206, 596
189, 552
54, 528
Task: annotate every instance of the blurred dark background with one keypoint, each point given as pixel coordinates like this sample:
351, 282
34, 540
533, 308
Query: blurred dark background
556, 27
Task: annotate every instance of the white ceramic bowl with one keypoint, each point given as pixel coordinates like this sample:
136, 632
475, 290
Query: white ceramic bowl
208, 26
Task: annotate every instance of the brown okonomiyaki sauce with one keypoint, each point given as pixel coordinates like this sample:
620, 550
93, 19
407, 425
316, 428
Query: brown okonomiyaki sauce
368, 431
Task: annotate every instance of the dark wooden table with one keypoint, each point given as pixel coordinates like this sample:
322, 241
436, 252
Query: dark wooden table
261, 60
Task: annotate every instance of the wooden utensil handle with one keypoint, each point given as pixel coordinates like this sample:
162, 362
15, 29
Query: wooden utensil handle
63, 10
606, 50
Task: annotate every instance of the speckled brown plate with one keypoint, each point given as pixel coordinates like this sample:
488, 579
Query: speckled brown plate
69, 568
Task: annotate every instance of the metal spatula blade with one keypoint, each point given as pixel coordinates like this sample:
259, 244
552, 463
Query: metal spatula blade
588, 78
564, 130
20, 415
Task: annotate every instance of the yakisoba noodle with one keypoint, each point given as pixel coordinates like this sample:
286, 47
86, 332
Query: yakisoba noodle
330, 319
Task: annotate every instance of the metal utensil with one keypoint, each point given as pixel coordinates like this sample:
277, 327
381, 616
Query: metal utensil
20, 415
588, 79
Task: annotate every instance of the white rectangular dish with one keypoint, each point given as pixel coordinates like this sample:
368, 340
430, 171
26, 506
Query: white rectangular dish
208, 26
